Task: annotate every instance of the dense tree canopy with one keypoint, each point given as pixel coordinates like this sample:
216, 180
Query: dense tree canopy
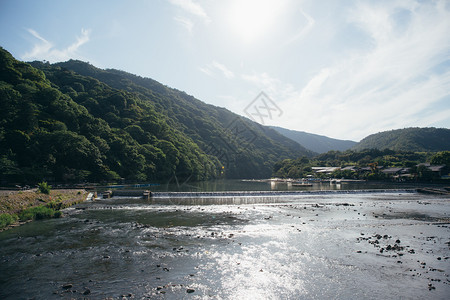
76, 128
59, 125
245, 148
409, 139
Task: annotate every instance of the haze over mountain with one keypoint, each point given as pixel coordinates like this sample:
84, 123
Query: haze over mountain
315, 142
58, 124
409, 139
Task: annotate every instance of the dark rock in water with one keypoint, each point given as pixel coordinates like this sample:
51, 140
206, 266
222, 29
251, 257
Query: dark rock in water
189, 291
67, 286
87, 292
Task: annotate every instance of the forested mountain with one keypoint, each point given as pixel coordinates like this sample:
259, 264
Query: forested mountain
409, 139
59, 125
315, 142
245, 148
88, 132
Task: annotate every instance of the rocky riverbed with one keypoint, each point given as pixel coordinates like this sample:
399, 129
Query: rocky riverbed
341, 246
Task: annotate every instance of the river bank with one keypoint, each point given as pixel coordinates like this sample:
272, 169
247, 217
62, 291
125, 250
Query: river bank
13, 203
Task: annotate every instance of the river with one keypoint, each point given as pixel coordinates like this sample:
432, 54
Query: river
385, 245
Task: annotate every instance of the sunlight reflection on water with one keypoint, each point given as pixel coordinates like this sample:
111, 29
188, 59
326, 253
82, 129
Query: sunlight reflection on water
308, 247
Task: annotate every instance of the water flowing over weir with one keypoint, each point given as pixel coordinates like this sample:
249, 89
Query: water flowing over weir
238, 197
177, 195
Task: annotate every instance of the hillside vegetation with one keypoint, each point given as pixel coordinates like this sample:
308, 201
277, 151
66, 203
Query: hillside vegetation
315, 142
244, 148
59, 125
408, 139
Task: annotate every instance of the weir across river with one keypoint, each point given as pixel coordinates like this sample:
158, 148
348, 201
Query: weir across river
161, 195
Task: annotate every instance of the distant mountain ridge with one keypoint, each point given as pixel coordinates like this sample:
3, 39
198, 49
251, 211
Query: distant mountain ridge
315, 142
428, 139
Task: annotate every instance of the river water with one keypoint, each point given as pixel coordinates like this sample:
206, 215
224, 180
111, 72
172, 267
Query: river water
385, 245
179, 185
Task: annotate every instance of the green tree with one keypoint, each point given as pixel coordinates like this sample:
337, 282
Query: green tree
441, 158
44, 188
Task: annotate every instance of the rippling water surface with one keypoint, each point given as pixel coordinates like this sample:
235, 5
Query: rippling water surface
341, 246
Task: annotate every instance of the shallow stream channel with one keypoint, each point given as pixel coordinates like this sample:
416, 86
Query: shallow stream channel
377, 245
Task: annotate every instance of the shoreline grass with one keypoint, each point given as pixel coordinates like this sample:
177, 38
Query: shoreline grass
18, 207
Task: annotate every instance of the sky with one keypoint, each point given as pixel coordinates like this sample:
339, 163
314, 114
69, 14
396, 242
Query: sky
343, 69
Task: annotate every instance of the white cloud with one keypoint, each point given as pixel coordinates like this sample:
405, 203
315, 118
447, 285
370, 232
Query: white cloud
185, 22
81, 40
207, 71
303, 30
215, 66
45, 50
43, 46
391, 85
278, 90
222, 68
192, 7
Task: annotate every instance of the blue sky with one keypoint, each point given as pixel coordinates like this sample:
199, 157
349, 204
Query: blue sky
344, 69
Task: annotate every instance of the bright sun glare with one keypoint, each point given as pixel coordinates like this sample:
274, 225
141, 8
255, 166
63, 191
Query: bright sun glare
251, 20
